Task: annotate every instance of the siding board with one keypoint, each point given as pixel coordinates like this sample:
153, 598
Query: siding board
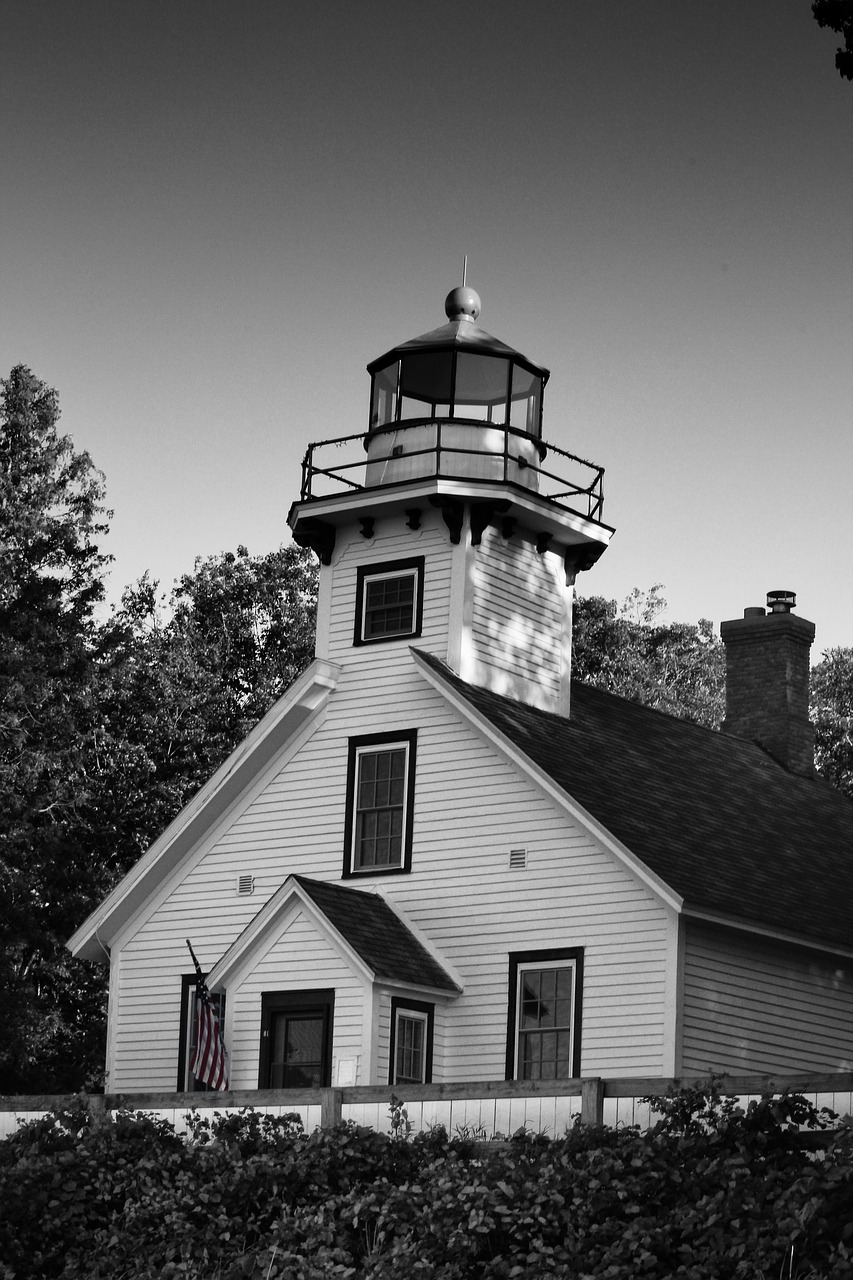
753, 1005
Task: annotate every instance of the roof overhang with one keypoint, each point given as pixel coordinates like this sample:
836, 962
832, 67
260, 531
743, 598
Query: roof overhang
302, 701
565, 527
261, 932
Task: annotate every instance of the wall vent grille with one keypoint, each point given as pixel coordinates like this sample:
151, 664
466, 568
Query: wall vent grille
245, 884
517, 859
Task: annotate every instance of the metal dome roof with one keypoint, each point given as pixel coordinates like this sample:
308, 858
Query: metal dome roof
461, 333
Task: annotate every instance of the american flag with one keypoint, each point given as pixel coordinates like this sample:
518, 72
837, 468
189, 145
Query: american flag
209, 1062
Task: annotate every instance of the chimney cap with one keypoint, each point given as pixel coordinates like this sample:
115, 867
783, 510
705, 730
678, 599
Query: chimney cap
781, 601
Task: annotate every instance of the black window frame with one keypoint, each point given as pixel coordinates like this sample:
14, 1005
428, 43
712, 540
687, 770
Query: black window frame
186, 1081
547, 958
389, 569
358, 746
400, 1005
274, 1002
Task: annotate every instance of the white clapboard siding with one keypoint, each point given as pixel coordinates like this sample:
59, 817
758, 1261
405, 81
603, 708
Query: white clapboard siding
751, 1005
299, 960
471, 807
518, 623
392, 541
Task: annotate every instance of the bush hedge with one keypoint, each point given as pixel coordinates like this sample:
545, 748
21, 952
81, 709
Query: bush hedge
712, 1192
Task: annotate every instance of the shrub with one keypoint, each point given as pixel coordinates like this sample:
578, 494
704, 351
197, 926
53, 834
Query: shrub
712, 1192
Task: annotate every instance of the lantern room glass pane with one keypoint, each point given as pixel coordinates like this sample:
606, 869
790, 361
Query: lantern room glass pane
384, 406
425, 376
526, 401
481, 387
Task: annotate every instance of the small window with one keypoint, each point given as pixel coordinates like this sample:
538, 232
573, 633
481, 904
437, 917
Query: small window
380, 786
544, 1015
411, 1042
296, 1039
389, 601
187, 1082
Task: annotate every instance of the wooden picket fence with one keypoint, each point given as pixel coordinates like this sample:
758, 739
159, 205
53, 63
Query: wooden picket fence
483, 1109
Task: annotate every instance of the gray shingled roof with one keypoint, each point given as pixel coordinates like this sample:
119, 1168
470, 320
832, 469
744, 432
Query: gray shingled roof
378, 935
715, 817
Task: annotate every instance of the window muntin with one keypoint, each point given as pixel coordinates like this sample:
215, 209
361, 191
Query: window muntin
389, 605
380, 807
384, 405
296, 1039
389, 601
457, 384
545, 1004
410, 1050
481, 387
379, 803
544, 1015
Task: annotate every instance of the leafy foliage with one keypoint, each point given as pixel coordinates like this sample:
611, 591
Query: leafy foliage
51, 515
838, 16
106, 730
676, 667
713, 1192
831, 697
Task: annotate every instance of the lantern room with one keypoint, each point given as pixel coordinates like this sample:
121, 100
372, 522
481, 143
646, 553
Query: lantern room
457, 371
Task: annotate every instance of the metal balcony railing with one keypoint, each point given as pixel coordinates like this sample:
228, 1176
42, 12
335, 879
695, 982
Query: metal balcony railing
453, 449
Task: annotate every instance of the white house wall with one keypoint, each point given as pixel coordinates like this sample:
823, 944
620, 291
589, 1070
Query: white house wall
300, 960
754, 1005
520, 627
392, 540
471, 807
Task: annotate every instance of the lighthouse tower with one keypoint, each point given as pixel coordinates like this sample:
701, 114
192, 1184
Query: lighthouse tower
450, 525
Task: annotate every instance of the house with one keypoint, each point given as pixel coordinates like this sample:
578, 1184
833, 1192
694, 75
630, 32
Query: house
438, 859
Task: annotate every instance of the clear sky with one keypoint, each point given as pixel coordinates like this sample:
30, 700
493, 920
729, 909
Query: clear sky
215, 214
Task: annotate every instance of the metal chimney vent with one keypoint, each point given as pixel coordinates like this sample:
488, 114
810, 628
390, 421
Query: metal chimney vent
517, 859
781, 601
245, 884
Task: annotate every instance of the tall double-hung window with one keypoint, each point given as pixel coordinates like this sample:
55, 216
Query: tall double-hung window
543, 1041
380, 795
410, 1055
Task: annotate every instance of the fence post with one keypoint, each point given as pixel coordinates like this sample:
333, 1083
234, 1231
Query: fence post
592, 1101
330, 1108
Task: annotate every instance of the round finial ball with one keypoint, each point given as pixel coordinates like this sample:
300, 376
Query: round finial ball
462, 301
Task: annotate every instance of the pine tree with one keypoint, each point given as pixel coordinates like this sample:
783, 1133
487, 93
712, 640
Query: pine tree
51, 578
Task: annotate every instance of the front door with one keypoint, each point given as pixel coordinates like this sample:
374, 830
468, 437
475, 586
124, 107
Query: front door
296, 1039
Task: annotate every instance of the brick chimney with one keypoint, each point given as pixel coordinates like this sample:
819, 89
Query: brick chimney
767, 681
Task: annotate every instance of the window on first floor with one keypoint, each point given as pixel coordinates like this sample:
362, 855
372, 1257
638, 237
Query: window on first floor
543, 1041
379, 812
296, 1039
187, 1082
389, 601
411, 1042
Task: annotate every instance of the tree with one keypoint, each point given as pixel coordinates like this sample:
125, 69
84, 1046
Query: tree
184, 680
677, 667
51, 514
838, 16
832, 715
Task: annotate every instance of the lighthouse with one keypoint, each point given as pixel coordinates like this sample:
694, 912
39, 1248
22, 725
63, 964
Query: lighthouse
451, 524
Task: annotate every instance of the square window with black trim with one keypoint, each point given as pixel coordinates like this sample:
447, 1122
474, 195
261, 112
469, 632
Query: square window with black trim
296, 1039
379, 810
187, 1082
410, 1052
389, 601
543, 1039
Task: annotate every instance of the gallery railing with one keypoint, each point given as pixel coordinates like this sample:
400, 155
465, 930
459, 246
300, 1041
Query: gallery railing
452, 450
